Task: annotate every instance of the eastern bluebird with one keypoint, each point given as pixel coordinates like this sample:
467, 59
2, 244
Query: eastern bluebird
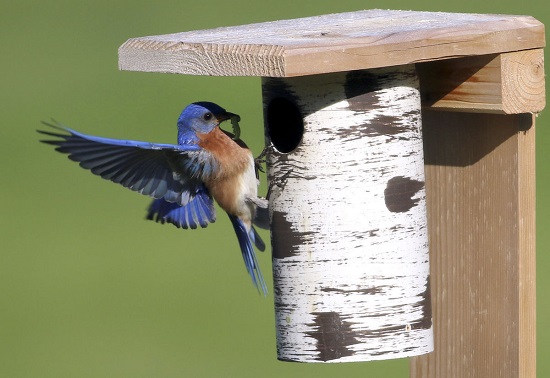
208, 162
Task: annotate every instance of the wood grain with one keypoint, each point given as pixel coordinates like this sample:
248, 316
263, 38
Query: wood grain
507, 83
523, 81
331, 43
481, 213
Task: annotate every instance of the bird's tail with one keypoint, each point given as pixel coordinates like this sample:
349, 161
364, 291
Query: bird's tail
245, 242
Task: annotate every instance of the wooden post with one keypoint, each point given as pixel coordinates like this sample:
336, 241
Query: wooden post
481, 78
482, 241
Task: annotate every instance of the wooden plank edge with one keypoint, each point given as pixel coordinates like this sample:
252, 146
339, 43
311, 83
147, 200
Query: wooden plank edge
172, 54
507, 83
527, 247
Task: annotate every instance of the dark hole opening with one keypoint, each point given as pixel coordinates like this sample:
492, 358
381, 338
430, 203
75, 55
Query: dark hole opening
285, 126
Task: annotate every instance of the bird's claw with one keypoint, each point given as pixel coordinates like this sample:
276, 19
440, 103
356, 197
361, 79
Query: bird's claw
261, 159
279, 182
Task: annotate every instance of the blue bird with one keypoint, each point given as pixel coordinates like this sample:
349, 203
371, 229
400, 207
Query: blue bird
207, 163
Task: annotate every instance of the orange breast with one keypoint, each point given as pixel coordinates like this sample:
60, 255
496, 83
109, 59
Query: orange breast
233, 160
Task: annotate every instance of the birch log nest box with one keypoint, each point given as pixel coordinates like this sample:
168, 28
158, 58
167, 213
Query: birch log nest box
392, 130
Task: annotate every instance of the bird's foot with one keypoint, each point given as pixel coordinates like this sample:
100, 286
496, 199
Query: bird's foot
279, 182
262, 159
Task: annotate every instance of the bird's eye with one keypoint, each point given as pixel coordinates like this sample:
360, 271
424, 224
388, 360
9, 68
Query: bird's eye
208, 116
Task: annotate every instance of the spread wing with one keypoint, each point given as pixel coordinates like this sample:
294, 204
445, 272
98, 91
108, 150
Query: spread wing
174, 173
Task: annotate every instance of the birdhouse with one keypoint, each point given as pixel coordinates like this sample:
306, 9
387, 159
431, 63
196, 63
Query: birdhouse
401, 157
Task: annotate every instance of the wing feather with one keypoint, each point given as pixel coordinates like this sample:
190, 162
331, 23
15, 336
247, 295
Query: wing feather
172, 172
199, 211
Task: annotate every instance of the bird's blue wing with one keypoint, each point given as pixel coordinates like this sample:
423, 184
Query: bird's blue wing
248, 253
199, 211
172, 172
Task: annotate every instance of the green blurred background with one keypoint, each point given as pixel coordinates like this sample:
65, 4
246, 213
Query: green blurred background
88, 288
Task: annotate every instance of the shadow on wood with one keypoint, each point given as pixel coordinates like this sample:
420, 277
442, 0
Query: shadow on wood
469, 137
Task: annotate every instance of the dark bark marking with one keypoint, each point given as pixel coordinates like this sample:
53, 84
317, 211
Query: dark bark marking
277, 87
361, 86
361, 89
426, 304
399, 192
285, 241
334, 335
380, 126
369, 291
359, 83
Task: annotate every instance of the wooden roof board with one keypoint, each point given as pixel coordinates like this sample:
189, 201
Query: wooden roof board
331, 43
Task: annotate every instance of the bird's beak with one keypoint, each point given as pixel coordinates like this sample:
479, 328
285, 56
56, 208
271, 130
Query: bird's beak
232, 116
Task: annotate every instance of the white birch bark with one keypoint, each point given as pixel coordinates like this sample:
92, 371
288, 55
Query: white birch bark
349, 237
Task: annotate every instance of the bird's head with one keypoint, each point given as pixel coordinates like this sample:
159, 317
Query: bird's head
201, 117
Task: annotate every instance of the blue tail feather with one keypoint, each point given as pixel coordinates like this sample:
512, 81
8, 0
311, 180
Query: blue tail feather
256, 239
249, 256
